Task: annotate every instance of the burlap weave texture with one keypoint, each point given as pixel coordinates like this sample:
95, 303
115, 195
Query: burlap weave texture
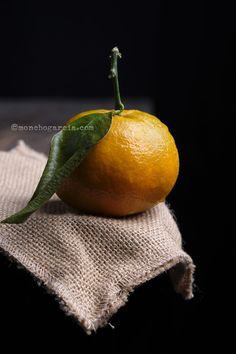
91, 263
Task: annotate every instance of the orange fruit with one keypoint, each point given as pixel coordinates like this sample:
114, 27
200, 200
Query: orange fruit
132, 168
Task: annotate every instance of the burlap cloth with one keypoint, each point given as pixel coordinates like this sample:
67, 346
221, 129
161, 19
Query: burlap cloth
91, 263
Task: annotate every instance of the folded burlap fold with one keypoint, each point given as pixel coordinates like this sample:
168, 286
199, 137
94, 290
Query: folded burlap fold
91, 263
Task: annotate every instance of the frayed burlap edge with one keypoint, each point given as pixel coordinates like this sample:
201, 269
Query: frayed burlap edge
181, 270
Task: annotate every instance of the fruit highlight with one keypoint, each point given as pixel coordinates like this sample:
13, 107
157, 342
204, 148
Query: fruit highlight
108, 162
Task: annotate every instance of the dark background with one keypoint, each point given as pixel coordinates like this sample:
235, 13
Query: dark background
180, 55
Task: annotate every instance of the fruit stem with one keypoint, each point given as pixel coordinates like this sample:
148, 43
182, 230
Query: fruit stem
115, 54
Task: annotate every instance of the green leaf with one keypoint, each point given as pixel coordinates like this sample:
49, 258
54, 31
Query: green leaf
68, 148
